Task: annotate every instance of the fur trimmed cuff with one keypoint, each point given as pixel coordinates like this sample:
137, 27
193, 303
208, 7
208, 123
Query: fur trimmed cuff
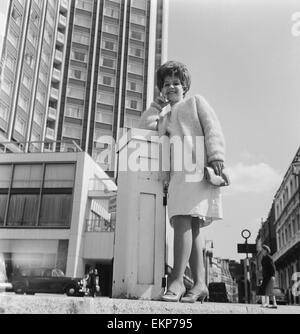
156, 106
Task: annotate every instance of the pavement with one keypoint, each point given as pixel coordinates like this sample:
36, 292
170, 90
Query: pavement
11, 303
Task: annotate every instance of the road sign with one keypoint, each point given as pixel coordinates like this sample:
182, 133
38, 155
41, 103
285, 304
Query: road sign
246, 234
247, 248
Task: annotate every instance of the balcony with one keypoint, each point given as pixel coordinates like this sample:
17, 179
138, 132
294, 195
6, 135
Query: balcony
50, 133
54, 94
52, 113
56, 75
64, 6
58, 58
288, 246
60, 38
100, 225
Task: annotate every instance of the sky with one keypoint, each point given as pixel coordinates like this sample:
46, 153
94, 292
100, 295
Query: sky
245, 60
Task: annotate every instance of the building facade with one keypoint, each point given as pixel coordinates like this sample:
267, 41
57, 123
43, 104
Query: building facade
79, 70
287, 224
55, 212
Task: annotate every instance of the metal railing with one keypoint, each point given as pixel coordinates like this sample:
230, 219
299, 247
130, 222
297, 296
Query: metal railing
100, 225
39, 146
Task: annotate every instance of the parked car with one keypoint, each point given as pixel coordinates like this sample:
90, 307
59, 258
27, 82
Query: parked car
218, 292
281, 298
41, 280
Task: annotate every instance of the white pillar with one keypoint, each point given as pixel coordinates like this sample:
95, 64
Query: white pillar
139, 252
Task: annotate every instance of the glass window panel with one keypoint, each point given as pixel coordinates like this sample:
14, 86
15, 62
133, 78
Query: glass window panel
110, 45
20, 125
28, 176
75, 111
138, 19
135, 68
106, 98
131, 121
5, 176
22, 210
4, 110
112, 12
111, 29
138, 35
72, 131
59, 176
83, 19
3, 200
76, 92
141, 4
55, 210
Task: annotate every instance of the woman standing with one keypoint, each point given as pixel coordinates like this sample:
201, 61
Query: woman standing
193, 202
268, 273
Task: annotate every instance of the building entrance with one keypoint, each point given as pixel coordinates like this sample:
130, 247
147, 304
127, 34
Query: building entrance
105, 270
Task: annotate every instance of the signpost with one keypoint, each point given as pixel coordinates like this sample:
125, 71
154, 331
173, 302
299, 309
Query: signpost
246, 248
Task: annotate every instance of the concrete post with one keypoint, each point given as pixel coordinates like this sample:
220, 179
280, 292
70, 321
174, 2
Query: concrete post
139, 251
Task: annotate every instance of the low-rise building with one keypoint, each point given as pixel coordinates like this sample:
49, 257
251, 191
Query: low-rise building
55, 212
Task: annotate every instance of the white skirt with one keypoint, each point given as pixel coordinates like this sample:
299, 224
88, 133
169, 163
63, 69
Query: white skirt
198, 199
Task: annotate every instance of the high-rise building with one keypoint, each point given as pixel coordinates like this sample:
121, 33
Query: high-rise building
79, 70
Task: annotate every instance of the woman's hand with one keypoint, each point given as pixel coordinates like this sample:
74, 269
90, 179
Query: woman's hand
161, 101
217, 166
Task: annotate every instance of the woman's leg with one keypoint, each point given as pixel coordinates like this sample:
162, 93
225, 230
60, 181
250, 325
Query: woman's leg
182, 250
196, 259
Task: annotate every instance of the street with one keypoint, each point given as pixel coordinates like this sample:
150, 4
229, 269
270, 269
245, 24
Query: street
11, 303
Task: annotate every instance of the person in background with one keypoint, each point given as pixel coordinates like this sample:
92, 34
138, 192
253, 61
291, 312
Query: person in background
268, 273
93, 282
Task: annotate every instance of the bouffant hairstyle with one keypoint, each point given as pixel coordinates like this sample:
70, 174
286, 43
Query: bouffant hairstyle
173, 67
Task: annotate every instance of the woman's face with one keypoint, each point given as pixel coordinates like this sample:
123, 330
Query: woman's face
172, 89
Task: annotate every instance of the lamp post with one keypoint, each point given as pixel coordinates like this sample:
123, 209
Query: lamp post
246, 235
206, 259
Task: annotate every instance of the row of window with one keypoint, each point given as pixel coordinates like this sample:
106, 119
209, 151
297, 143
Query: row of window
287, 231
37, 176
55, 210
286, 195
28, 195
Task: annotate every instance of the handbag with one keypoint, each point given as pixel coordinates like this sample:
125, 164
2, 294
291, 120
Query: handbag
214, 179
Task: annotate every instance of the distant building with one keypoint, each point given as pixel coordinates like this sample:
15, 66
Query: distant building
287, 224
55, 213
79, 71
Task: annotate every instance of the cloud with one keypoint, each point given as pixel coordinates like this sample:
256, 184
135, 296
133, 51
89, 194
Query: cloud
254, 178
